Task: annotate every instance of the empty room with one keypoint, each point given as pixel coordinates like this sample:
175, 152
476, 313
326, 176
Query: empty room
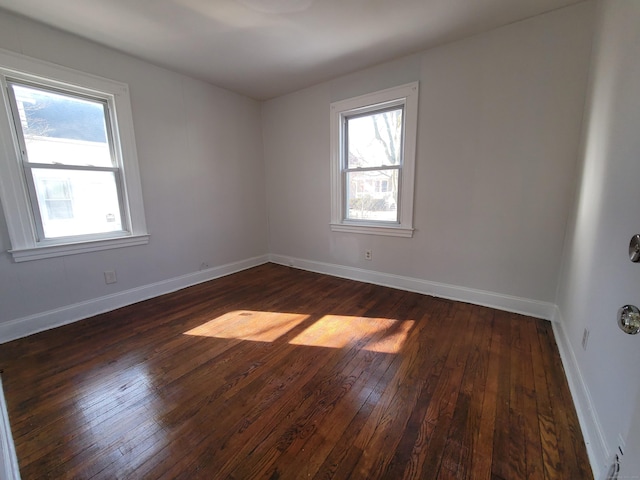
290, 239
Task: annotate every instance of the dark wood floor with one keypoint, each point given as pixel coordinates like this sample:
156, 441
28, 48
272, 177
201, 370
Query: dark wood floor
279, 373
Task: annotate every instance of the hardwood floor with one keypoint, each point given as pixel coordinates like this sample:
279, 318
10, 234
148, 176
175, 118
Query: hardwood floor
278, 373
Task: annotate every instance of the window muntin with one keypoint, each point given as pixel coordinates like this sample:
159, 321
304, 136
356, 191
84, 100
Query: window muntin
373, 141
67, 146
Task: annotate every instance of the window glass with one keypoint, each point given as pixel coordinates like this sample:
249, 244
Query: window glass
62, 129
373, 195
77, 202
374, 139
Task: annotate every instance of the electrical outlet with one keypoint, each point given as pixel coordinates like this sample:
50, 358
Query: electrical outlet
585, 338
204, 266
110, 277
368, 254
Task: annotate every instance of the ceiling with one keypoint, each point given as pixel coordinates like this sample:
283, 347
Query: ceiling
266, 48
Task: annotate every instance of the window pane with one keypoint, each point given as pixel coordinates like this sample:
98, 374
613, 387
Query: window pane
77, 202
61, 129
375, 140
373, 195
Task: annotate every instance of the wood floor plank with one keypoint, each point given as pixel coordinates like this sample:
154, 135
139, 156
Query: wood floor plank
411, 375
464, 435
568, 437
404, 461
548, 436
502, 464
278, 373
428, 451
517, 445
343, 457
533, 447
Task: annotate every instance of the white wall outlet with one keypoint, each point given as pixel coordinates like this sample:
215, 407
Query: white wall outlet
110, 277
585, 338
368, 254
204, 266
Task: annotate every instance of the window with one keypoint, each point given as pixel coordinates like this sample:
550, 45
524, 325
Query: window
373, 140
69, 175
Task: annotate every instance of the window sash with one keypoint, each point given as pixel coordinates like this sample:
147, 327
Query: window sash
346, 193
69, 92
370, 111
38, 214
344, 161
28, 167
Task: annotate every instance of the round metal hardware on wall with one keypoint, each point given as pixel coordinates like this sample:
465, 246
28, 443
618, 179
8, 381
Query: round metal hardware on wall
629, 319
634, 248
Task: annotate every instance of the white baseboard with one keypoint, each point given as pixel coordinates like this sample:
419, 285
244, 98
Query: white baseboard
592, 432
525, 306
22, 327
8, 460
25, 326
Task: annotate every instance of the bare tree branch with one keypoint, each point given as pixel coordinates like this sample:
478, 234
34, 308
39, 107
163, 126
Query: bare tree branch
381, 140
392, 143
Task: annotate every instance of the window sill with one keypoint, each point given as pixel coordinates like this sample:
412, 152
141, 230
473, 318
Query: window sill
368, 229
50, 251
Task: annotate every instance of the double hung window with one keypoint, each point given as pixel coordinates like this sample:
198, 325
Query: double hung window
373, 155
71, 181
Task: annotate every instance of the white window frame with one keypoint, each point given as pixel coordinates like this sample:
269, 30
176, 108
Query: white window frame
407, 97
14, 194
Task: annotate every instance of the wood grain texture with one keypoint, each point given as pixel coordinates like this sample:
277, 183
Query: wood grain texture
278, 373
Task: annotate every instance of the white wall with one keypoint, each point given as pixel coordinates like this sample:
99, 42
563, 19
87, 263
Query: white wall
597, 277
200, 155
498, 139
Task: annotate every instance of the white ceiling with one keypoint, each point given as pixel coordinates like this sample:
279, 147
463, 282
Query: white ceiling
257, 48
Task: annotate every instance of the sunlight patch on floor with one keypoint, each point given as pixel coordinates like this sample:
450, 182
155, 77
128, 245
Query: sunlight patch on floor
338, 331
249, 325
331, 331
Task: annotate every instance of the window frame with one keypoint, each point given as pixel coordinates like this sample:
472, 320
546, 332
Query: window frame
25, 233
405, 96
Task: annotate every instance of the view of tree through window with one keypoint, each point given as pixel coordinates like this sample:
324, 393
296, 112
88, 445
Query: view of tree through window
373, 159
69, 161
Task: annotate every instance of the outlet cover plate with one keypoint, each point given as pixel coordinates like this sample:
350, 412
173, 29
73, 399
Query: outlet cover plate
110, 277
